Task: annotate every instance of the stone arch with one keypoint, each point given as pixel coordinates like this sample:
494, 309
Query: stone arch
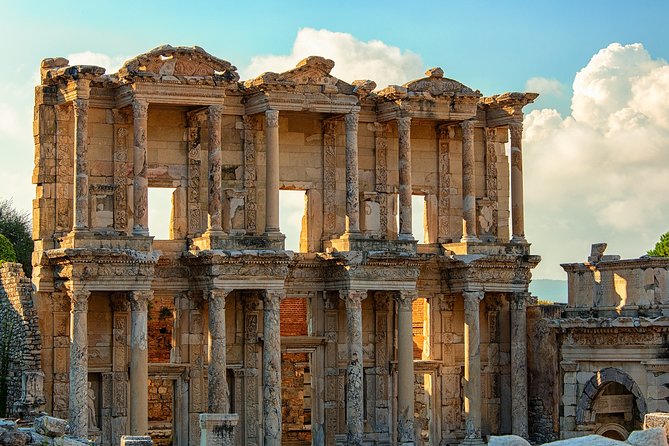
615, 428
592, 388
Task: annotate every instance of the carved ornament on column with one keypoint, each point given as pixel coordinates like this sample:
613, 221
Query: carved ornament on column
139, 300
406, 298
214, 114
518, 301
272, 118
329, 177
472, 299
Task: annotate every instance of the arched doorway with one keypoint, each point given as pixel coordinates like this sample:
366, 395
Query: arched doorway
612, 402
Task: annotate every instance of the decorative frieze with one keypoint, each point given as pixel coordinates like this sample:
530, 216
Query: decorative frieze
329, 179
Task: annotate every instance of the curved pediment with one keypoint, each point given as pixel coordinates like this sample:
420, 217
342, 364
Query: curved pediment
179, 64
435, 84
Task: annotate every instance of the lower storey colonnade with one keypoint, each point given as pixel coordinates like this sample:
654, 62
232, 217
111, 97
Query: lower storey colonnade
366, 381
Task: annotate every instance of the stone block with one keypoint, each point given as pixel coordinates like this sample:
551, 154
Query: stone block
50, 426
655, 420
136, 440
507, 440
651, 437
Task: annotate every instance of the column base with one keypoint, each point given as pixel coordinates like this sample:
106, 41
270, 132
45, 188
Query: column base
217, 429
407, 443
136, 440
144, 232
520, 239
472, 442
470, 239
401, 236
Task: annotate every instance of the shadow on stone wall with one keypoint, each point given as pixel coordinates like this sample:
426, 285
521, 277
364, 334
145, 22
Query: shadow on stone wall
20, 345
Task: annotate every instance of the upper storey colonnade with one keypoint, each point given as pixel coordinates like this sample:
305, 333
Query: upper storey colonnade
208, 89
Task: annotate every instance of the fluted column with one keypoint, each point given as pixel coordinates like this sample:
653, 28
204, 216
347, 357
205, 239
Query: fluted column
517, 205
140, 185
217, 371
272, 172
139, 362
404, 131
354, 379
519, 414
78, 408
468, 183
81, 198
271, 362
472, 300
405, 372
215, 159
352, 188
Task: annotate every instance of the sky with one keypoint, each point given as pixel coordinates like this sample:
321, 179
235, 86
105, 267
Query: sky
596, 142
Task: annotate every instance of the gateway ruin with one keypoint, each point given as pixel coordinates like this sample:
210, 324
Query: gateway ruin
363, 336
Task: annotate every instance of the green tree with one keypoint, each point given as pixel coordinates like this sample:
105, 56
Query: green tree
661, 248
7, 253
17, 227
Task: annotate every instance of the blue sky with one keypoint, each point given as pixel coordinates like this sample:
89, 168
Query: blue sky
494, 46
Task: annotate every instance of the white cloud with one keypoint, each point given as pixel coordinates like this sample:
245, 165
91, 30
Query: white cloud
545, 86
600, 174
354, 59
111, 64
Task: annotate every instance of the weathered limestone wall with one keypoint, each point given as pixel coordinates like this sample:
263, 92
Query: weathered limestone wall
20, 341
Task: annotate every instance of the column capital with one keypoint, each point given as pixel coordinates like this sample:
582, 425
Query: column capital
351, 120
405, 298
467, 125
516, 130
353, 298
272, 118
140, 108
79, 300
472, 300
217, 296
215, 110
519, 300
139, 300
80, 105
272, 299
404, 124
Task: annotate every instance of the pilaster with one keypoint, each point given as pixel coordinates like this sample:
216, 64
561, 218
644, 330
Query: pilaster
404, 133
215, 159
271, 360
140, 183
78, 406
354, 371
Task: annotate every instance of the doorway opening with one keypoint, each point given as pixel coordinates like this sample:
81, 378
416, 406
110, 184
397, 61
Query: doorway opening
418, 217
161, 212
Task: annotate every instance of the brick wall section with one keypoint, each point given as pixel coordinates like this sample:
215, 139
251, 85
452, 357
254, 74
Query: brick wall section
160, 328
161, 396
293, 317
17, 311
296, 423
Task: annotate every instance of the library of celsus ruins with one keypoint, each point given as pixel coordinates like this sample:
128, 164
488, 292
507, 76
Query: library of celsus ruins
363, 335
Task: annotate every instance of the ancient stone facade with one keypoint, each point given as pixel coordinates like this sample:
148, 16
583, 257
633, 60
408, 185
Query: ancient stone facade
180, 118
607, 348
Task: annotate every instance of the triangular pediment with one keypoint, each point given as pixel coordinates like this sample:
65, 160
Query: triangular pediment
178, 64
312, 73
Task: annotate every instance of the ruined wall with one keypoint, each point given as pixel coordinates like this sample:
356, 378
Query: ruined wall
543, 372
20, 341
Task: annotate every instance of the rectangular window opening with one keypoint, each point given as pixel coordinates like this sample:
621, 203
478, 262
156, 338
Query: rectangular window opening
292, 209
418, 217
161, 212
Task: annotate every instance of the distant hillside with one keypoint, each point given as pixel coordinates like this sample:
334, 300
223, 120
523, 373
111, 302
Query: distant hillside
549, 289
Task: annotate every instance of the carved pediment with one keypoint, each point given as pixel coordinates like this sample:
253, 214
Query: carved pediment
310, 75
435, 84
179, 64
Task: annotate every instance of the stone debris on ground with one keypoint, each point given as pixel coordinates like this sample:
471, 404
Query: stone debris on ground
651, 437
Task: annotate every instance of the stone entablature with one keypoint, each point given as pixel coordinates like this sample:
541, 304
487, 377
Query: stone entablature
179, 118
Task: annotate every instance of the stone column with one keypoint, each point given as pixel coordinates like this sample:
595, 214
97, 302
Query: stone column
472, 300
354, 378
81, 198
217, 371
519, 414
78, 409
404, 131
215, 159
517, 210
139, 362
405, 373
272, 171
352, 189
468, 183
140, 185
271, 362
